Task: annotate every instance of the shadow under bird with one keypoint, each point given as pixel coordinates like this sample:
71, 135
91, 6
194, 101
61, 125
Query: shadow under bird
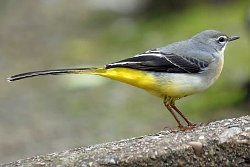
171, 72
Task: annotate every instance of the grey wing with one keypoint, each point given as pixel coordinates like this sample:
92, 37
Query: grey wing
158, 61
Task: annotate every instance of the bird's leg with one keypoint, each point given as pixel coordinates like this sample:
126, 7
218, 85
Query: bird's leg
167, 103
182, 115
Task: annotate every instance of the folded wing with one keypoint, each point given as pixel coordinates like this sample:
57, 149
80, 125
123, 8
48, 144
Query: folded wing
157, 61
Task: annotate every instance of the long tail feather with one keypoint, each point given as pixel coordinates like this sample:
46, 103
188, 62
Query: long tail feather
51, 72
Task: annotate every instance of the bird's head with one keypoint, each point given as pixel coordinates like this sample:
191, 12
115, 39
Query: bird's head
214, 39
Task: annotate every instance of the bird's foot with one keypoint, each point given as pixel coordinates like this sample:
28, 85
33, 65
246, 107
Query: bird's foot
198, 124
181, 127
184, 128
190, 124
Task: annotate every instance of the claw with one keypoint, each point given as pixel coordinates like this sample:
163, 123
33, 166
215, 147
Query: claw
184, 128
181, 128
192, 124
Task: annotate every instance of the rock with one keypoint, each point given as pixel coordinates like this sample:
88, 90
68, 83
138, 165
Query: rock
220, 143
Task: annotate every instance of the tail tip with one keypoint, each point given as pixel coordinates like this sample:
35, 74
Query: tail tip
10, 79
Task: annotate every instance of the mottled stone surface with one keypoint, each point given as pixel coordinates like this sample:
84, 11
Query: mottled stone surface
220, 143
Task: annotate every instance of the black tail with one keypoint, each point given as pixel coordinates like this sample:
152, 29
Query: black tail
50, 72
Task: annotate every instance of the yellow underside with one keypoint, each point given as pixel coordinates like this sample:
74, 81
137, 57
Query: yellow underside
140, 79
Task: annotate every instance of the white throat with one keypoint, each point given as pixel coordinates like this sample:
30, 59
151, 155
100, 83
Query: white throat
223, 49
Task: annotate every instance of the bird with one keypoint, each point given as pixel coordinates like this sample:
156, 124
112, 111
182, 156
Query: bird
171, 72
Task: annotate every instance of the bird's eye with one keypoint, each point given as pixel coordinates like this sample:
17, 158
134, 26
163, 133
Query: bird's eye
222, 39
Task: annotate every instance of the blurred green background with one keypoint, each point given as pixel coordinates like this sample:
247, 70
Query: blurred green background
54, 113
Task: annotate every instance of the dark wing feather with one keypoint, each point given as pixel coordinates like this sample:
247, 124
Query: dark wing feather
161, 62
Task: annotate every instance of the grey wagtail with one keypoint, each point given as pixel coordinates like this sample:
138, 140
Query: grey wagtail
170, 72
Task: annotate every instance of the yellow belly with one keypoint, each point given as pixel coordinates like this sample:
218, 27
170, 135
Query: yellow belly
133, 77
158, 85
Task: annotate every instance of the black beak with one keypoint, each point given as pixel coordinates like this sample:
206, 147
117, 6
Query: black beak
232, 38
